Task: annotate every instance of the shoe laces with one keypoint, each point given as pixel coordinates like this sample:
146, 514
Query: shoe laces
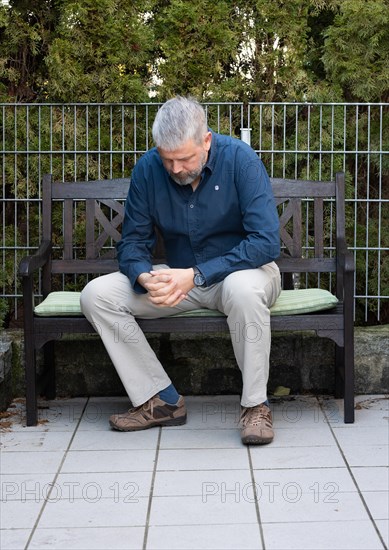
256, 415
147, 406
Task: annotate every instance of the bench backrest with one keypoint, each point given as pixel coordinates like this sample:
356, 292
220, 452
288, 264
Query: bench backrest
83, 220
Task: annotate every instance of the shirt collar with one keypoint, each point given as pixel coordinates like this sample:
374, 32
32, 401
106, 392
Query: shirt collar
210, 164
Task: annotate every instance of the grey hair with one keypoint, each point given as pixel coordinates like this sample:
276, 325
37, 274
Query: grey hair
177, 121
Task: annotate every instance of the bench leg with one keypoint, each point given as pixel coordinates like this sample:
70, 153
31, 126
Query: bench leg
31, 386
49, 371
349, 376
339, 372
344, 380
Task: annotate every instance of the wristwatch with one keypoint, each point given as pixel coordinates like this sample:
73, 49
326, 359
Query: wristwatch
198, 279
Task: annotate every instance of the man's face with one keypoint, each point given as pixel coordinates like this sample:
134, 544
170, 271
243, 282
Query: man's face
186, 163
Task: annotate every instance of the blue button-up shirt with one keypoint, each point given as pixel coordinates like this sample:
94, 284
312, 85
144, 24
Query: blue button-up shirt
227, 224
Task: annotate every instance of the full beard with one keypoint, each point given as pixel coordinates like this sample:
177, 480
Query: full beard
187, 178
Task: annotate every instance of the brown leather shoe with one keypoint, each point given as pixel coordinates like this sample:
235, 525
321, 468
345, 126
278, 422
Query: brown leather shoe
257, 426
154, 412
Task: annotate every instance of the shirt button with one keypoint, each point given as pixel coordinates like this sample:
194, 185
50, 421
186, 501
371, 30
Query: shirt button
191, 205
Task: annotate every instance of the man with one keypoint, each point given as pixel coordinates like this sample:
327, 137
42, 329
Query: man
210, 197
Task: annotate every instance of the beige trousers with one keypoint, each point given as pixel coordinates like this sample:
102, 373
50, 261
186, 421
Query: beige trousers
245, 297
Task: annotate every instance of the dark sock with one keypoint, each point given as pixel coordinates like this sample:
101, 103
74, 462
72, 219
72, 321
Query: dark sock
169, 395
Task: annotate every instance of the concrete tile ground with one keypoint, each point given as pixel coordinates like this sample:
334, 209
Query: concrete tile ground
73, 483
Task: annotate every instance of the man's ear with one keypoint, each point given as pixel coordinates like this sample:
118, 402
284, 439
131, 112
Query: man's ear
207, 141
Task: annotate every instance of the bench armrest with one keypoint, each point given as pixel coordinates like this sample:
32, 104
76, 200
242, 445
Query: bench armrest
346, 262
29, 264
345, 268
345, 258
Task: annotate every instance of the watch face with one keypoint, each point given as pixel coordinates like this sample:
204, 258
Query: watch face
199, 279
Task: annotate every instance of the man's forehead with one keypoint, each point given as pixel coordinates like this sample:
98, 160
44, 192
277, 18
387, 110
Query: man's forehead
188, 149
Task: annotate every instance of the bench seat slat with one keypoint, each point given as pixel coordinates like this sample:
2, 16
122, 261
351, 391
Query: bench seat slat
84, 266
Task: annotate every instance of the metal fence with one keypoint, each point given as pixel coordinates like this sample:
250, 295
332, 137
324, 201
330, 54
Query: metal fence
92, 141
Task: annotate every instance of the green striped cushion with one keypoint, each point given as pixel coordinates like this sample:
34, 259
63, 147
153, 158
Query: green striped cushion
290, 302
59, 304
306, 300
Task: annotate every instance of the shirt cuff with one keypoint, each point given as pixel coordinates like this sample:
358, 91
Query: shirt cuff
134, 271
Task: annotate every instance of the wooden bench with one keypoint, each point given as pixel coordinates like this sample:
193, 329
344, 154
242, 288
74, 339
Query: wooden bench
81, 223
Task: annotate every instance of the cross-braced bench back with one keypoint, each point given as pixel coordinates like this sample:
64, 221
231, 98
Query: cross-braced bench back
310, 225
83, 220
